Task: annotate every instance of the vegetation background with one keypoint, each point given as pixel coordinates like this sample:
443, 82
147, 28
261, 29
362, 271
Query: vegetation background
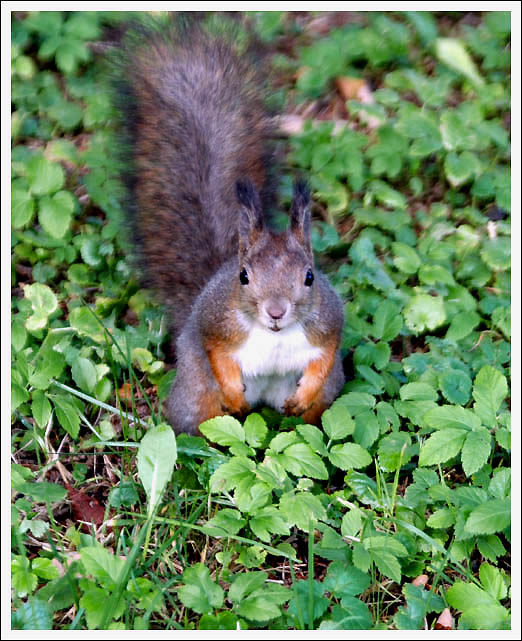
394, 515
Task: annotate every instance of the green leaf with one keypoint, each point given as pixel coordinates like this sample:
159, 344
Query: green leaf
480, 610
44, 177
156, 457
198, 591
268, 520
34, 614
23, 580
424, 312
352, 615
94, 601
406, 259
455, 386
314, 437
18, 396
452, 53
40, 408
489, 390
301, 508
442, 518
434, 274
490, 547
226, 521
357, 402
418, 392
302, 596
451, 416
43, 303
85, 323
221, 621
366, 429
22, 208
342, 580
387, 195
337, 422
394, 451
387, 322
492, 580
104, 566
237, 470
300, 459
49, 365
43, 492
245, 584
223, 430
67, 114
349, 456
476, 451
255, 430
462, 324
352, 522
460, 168
490, 517
55, 213
84, 374
441, 446
387, 564
497, 253
67, 414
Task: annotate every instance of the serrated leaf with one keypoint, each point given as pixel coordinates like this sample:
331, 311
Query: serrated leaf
314, 437
492, 581
387, 564
394, 451
301, 460
105, 567
255, 429
418, 392
366, 429
441, 446
223, 430
352, 522
268, 520
229, 475
452, 52
40, 408
387, 321
455, 386
342, 580
489, 390
476, 451
424, 312
353, 614
461, 325
157, 454
452, 416
22, 208
441, 518
337, 422
43, 492
226, 521
480, 610
492, 516
349, 456
67, 414
199, 592
34, 614
406, 258
301, 508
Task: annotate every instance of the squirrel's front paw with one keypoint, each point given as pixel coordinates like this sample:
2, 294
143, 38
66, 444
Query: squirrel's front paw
235, 405
294, 406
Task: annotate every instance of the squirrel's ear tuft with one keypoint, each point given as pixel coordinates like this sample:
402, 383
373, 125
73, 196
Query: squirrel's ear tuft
300, 214
251, 218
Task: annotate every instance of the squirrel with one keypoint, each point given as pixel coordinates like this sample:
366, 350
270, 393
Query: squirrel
255, 323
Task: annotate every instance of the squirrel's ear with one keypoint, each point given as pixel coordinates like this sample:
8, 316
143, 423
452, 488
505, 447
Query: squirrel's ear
251, 217
300, 215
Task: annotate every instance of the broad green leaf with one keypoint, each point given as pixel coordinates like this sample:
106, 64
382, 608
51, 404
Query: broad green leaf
223, 430
500, 484
18, 396
489, 390
49, 365
22, 208
221, 621
198, 591
434, 274
23, 580
490, 547
282, 441
387, 564
84, 374
394, 451
349, 456
43, 492
43, 303
94, 601
366, 429
34, 614
492, 580
490, 517
245, 584
268, 520
442, 518
301, 508
255, 429
480, 610
337, 422
476, 451
452, 416
418, 392
300, 459
352, 522
455, 386
229, 475
45, 177
441, 446
226, 521
387, 195
406, 258
314, 437
424, 312
67, 414
302, 595
85, 323
41, 408
452, 53
156, 457
461, 325
104, 566
353, 614
387, 322
342, 580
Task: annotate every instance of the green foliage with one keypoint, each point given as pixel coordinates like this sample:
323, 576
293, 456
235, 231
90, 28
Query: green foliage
409, 471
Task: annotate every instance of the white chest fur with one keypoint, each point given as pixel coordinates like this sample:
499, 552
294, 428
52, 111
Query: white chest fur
272, 363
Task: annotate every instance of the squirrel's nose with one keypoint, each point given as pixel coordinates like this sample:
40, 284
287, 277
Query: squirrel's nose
276, 309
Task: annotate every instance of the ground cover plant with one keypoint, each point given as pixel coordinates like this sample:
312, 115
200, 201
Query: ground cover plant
395, 512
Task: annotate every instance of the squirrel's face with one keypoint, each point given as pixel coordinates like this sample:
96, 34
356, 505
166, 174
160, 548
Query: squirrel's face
276, 271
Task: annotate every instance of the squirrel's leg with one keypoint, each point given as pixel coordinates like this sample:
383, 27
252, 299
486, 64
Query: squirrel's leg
228, 376
318, 386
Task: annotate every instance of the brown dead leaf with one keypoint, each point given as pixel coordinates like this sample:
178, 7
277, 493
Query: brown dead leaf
349, 88
126, 394
86, 508
422, 579
445, 620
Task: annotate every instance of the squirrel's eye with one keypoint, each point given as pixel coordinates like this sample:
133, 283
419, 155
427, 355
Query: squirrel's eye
309, 278
243, 277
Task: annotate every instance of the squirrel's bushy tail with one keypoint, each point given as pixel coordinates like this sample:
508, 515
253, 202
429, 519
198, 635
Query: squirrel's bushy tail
194, 123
